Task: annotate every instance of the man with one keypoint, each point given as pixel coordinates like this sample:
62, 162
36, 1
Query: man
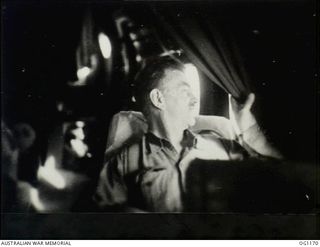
149, 174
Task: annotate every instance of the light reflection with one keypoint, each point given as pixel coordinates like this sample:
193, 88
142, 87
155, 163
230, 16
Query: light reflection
50, 174
192, 74
79, 147
35, 199
105, 45
83, 73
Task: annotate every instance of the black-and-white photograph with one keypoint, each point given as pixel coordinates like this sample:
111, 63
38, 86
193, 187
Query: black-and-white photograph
160, 119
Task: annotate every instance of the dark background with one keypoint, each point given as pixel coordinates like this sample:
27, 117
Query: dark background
277, 40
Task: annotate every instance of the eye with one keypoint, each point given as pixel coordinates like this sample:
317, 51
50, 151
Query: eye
185, 92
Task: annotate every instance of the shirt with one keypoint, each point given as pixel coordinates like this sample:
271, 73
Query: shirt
148, 175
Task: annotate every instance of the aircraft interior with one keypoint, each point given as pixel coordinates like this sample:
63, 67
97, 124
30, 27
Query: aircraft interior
68, 103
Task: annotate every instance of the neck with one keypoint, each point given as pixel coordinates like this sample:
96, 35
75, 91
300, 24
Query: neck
163, 127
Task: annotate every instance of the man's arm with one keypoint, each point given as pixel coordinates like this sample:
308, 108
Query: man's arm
256, 139
111, 193
246, 127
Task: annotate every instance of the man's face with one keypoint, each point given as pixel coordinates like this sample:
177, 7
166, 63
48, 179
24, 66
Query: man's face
180, 102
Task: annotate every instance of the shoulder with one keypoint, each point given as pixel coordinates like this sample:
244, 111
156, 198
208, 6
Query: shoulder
124, 149
125, 158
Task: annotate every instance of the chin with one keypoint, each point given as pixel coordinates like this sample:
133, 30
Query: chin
191, 121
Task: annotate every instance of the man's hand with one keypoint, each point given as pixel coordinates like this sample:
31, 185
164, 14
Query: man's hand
240, 114
242, 120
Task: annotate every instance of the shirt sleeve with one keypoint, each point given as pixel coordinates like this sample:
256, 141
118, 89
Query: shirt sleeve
162, 189
111, 191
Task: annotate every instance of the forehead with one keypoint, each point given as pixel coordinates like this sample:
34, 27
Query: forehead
174, 78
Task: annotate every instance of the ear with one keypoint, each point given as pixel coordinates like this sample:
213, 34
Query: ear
156, 98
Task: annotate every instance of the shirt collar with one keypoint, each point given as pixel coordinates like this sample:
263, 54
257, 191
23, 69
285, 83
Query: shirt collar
155, 144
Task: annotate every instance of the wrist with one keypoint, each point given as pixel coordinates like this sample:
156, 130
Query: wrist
253, 126
253, 135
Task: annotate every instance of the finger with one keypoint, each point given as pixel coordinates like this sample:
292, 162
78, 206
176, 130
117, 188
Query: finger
249, 101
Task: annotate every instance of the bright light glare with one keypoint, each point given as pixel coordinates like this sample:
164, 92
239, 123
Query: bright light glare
35, 199
79, 147
192, 74
105, 45
83, 73
80, 124
78, 133
50, 174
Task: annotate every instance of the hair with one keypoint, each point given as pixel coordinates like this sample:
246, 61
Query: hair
150, 77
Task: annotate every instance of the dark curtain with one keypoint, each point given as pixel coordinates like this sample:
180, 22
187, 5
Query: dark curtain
210, 50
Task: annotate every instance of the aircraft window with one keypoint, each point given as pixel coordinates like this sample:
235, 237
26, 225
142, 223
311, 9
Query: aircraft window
193, 76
